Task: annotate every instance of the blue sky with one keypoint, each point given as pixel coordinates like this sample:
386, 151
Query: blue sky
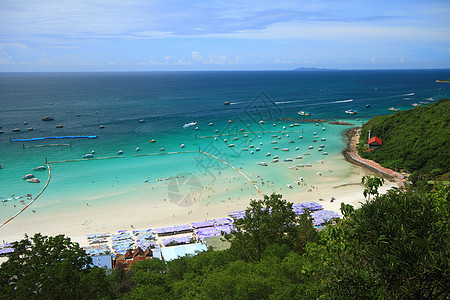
138, 35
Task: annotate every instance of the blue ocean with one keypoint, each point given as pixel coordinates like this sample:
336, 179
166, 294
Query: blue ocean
160, 113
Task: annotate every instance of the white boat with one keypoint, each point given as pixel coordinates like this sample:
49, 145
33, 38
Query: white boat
274, 142
285, 149
162, 149
235, 139
393, 109
28, 176
323, 139
310, 147
33, 180
304, 113
268, 154
275, 160
351, 112
40, 168
189, 124
287, 159
231, 145
89, 155
120, 152
210, 124
261, 163
245, 149
137, 149
289, 186
182, 146
297, 148
325, 153
141, 121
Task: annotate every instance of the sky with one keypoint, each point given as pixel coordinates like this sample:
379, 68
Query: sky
175, 35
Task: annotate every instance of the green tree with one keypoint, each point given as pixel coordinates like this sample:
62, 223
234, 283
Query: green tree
51, 268
269, 221
371, 185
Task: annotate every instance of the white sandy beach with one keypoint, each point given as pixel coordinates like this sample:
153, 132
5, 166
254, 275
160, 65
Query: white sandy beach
136, 214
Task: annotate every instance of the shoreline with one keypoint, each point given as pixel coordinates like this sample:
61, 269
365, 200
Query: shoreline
135, 208
351, 155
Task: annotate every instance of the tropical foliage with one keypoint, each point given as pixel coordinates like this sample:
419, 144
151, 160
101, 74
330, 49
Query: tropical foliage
396, 246
415, 140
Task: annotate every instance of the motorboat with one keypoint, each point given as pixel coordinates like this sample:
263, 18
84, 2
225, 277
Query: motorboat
367, 105
310, 147
285, 149
323, 139
393, 109
325, 153
40, 168
102, 126
162, 149
28, 176
268, 154
227, 103
182, 146
351, 112
210, 124
287, 159
137, 149
47, 118
59, 126
275, 160
120, 152
304, 113
297, 148
231, 145
299, 157
15, 130
152, 141
89, 155
189, 124
33, 180
262, 164
141, 121
289, 186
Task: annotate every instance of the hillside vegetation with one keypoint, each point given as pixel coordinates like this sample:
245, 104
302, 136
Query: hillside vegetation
415, 140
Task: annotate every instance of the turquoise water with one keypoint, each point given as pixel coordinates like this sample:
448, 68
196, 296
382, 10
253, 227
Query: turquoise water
81, 102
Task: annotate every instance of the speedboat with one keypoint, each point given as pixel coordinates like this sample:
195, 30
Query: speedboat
189, 124
367, 105
226, 103
268, 154
323, 139
231, 145
28, 176
275, 160
182, 146
120, 152
40, 168
210, 124
351, 112
304, 113
33, 180
141, 121
162, 149
137, 149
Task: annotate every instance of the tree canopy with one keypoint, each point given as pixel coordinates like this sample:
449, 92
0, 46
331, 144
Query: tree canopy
50, 268
413, 140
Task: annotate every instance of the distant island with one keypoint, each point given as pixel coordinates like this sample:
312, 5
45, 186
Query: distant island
314, 69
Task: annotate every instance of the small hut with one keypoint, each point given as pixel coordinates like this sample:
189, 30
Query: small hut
375, 142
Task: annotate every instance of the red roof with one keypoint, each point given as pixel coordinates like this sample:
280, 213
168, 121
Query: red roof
375, 140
